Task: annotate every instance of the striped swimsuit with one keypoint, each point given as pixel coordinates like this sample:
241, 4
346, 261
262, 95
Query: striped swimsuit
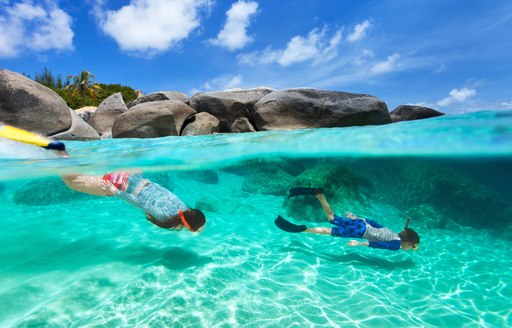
151, 197
377, 235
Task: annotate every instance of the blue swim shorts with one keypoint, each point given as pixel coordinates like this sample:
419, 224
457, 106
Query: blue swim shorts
345, 227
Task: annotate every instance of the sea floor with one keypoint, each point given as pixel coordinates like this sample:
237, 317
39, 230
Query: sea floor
98, 263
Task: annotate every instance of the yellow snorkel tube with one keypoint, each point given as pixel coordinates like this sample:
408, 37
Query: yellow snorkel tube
17, 134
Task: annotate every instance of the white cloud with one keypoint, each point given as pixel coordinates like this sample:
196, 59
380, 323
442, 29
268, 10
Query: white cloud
389, 65
457, 96
422, 104
28, 27
359, 31
221, 83
57, 34
151, 26
363, 57
316, 47
234, 34
506, 105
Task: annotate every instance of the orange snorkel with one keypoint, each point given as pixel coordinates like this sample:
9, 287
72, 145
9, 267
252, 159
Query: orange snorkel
185, 223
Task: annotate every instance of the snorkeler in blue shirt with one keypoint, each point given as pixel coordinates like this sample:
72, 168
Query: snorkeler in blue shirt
352, 226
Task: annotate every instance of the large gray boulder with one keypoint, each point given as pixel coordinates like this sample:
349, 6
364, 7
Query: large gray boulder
145, 122
86, 112
410, 112
158, 96
103, 117
241, 124
228, 106
79, 130
310, 108
180, 110
29, 105
201, 124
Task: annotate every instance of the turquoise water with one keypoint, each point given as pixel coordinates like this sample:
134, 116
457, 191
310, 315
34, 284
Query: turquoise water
73, 260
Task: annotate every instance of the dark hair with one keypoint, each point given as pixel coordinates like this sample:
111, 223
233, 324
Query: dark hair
410, 236
195, 219
169, 223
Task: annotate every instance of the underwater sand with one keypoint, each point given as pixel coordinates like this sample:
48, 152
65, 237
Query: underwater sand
72, 260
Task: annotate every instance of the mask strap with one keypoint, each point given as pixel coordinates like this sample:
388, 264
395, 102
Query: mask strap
185, 223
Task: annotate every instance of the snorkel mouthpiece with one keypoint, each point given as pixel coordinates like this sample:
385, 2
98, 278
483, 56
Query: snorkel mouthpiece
56, 145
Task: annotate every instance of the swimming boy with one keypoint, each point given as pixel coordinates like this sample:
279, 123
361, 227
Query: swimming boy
351, 226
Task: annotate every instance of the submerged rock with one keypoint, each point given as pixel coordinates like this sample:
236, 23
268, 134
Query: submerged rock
204, 176
275, 182
343, 188
414, 183
47, 192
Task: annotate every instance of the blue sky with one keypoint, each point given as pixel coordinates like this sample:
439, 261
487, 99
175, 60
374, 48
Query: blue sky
451, 55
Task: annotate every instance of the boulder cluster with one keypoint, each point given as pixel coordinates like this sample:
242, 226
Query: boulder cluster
29, 105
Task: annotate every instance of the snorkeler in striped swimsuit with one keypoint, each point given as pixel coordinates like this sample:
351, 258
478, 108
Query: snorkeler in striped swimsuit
162, 207
352, 226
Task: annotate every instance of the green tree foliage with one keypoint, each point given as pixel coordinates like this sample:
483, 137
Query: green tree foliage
46, 78
74, 97
84, 83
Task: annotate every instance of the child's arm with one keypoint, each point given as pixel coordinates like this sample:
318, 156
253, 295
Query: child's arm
319, 230
325, 205
358, 243
393, 245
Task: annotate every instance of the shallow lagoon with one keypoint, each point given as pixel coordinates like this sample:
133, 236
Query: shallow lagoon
75, 260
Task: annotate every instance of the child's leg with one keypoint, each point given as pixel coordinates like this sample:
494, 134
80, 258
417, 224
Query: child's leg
326, 207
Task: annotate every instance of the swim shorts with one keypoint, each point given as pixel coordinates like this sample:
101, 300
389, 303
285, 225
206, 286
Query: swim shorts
345, 227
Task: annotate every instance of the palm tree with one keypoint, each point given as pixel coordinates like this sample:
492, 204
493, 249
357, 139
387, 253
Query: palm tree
82, 84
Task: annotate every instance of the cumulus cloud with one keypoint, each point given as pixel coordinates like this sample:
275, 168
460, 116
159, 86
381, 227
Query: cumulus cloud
506, 105
150, 27
222, 83
29, 27
359, 31
457, 96
386, 66
234, 34
316, 47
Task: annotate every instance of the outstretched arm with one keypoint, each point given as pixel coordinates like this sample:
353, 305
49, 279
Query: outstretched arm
319, 230
358, 243
325, 205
